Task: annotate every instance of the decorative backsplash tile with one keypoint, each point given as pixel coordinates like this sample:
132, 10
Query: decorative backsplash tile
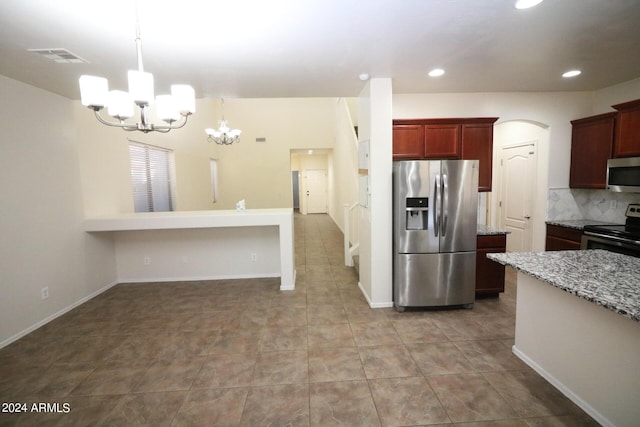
482, 208
600, 205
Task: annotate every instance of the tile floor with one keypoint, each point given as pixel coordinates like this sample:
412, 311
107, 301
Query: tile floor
243, 353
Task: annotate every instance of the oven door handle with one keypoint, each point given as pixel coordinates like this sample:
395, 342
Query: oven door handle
615, 238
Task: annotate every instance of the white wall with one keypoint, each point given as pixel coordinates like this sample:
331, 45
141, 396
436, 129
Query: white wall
586, 351
605, 98
375, 224
198, 254
344, 164
42, 241
365, 231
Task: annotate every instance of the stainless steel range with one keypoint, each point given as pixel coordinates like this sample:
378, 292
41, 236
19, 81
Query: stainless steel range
624, 238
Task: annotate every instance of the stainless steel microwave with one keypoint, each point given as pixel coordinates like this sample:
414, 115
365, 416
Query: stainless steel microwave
623, 174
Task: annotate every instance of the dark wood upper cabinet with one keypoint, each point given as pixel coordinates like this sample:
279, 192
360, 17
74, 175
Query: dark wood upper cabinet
477, 144
591, 147
627, 139
442, 141
448, 138
408, 142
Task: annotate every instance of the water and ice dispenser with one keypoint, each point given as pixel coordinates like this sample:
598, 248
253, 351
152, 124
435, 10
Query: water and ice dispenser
417, 213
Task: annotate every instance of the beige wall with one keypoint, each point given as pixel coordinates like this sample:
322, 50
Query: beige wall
68, 167
605, 98
258, 172
42, 241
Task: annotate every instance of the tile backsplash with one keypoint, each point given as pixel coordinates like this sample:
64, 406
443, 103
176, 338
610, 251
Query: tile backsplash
600, 205
482, 208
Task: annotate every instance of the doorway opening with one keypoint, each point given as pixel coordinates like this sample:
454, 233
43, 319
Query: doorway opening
310, 180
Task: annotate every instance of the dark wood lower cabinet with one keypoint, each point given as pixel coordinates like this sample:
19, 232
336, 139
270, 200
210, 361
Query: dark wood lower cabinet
489, 274
562, 238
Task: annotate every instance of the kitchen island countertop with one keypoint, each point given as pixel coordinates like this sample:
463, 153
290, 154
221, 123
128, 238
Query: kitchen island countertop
602, 277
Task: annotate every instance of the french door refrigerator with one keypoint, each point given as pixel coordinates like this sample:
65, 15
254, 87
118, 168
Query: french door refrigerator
435, 206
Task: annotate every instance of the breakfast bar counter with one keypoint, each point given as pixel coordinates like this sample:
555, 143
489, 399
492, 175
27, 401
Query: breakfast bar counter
578, 325
201, 245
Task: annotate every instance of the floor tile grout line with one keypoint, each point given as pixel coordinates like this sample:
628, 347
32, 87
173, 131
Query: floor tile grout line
345, 300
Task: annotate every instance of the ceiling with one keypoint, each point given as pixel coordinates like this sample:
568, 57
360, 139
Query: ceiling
315, 48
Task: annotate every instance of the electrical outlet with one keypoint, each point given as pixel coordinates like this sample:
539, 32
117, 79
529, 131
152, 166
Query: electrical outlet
254, 256
147, 260
613, 204
44, 292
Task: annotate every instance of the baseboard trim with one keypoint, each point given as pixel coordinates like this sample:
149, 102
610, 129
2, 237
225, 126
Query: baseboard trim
55, 315
372, 304
196, 278
292, 287
563, 389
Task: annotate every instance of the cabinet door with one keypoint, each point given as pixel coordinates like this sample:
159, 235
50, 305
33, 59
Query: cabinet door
489, 274
591, 146
557, 244
627, 142
562, 238
477, 144
408, 142
442, 141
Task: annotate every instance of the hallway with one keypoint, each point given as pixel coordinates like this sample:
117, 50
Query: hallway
241, 352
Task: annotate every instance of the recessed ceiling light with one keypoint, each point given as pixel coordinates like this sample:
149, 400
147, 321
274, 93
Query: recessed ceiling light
436, 72
571, 73
364, 77
310, 152
526, 4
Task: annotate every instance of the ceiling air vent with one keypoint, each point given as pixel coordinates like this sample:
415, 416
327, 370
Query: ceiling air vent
61, 56
261, 139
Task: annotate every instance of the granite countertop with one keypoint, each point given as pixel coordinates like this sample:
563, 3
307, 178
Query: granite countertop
486, 230
605, 278
578, 224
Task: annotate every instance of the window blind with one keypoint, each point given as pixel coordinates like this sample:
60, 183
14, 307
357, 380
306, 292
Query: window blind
151, 177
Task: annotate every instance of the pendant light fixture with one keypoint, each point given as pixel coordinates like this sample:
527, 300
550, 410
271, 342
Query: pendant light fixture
173, 109
223, 135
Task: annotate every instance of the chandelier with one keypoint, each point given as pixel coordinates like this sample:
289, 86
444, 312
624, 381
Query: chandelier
224, 135
172, 109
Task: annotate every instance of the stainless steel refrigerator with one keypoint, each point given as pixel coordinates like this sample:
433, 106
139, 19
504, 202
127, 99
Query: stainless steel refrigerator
435, 207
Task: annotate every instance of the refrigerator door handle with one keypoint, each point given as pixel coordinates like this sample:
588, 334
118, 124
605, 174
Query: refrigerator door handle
436, 210
445, 203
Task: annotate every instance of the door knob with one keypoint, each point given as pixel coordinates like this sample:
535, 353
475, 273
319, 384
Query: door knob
527, 217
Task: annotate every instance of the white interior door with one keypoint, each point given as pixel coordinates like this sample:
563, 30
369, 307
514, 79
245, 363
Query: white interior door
517, 195
316, 191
